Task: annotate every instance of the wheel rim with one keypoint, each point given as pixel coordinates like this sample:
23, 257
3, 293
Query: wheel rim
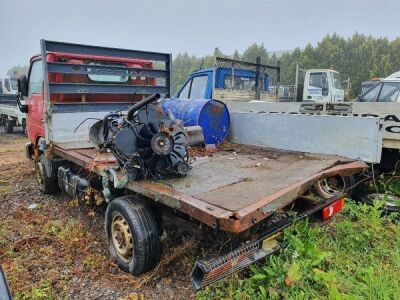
39, 173
390, 200
330, 186
122, 238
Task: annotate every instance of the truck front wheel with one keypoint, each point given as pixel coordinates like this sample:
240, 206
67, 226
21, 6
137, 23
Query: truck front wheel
9, 126
45, 175
132, 234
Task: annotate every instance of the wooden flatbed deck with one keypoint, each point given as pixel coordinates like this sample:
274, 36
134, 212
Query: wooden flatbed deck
229, 190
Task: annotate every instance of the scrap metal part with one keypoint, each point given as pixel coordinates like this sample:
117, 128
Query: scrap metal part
146, 142
209, 271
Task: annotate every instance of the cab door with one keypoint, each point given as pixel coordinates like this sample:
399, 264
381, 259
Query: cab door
316, 87
336, 88
196, 87
35, 102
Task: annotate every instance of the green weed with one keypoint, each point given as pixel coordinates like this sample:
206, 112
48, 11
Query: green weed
355, 257
68, 230
43, 291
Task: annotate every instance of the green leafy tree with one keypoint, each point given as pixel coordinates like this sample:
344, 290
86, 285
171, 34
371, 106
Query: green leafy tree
359, 58
250, 53
18, 71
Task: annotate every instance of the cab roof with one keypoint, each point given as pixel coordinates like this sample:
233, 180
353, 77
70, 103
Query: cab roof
322, 70
393, 77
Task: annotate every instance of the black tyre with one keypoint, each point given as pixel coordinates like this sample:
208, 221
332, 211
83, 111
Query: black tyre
46, 175
9, 126
330, 186
132, 234
392, 203
24, 129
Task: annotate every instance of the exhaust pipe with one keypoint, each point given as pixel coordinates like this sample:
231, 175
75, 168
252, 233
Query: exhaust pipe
70, 183
194, 135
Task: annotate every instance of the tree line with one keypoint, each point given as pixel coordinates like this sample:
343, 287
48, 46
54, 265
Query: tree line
359, 58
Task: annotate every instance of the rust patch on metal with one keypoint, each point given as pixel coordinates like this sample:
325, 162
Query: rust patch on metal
217, 109
230, 220
196, 208
294, 191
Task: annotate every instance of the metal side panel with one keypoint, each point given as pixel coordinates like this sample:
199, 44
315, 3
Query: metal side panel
63, 127
346, 136
262, 106
389, 112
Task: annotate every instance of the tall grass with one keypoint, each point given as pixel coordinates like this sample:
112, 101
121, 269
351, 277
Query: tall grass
357, 256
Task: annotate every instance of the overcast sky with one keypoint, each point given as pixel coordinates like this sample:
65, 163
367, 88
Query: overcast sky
196, 26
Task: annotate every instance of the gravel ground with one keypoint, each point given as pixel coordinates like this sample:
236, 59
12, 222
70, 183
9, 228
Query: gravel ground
54, 247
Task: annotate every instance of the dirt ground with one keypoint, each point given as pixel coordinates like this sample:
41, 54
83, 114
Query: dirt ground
53, 247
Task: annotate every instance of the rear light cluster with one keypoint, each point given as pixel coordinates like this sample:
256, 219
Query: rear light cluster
331, 210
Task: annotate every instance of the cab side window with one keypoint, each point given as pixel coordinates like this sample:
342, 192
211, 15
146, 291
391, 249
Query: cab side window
184, 93
35, 78
195, 88
372, 95
199, 85
7, 84
320, 80
389, 92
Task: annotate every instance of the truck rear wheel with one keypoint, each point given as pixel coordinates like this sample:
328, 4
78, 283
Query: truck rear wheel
132, 234
45, 175
9, 126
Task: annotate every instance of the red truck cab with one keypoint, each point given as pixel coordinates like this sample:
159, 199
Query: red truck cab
35, 98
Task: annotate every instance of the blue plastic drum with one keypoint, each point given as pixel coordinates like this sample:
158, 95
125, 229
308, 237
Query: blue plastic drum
211, 115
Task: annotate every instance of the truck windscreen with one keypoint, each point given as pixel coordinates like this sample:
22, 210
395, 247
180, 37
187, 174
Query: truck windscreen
337, 83
108, 78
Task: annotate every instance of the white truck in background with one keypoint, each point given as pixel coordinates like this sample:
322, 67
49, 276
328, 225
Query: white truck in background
10, 115
314, 85
9, 85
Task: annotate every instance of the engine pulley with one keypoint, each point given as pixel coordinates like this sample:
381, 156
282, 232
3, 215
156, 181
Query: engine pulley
161, 144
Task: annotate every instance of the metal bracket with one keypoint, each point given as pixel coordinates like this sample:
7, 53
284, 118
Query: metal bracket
118, 183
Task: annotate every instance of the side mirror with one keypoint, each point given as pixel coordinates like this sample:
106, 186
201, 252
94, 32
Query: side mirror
22, 92
22, 86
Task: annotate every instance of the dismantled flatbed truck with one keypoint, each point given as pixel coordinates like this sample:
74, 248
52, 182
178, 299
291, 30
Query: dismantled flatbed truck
227, 191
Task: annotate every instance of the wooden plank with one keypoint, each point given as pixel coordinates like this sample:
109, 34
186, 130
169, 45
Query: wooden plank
239, 95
